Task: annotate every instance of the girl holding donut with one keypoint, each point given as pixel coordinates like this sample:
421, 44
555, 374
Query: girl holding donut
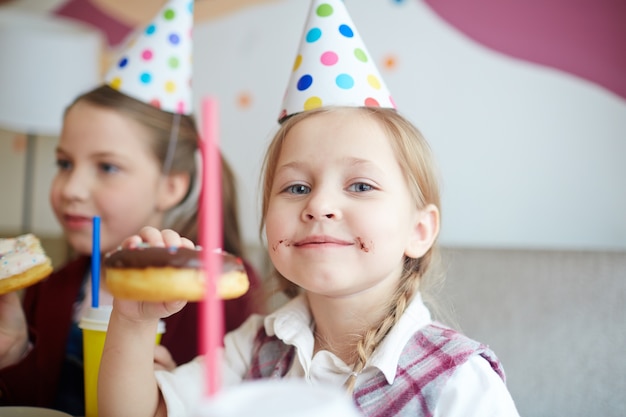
129, 156
110, 158
351, 215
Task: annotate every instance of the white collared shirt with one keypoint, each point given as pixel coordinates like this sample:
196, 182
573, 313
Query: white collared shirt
473, 390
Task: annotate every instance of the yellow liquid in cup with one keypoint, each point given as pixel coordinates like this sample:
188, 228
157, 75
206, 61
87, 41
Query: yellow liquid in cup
93, 345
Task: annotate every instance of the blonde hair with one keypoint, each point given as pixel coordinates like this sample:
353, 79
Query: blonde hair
416, 161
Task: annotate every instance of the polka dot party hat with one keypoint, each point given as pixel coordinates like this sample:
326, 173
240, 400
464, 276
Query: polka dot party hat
156, 66
333, 67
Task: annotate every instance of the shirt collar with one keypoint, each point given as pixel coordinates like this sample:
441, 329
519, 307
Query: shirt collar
290, 321
292, 324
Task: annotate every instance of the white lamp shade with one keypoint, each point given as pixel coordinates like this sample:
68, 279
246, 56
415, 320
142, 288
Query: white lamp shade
45, 62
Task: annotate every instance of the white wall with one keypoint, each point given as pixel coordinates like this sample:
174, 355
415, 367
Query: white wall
529, 156
12, 184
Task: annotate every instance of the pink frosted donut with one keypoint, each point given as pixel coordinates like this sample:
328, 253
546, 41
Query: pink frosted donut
23, 263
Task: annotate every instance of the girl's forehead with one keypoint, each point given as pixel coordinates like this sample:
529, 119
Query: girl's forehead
352, 149
104, 129
338, 134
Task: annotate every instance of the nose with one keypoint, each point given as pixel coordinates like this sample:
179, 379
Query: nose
73, 184
322, 206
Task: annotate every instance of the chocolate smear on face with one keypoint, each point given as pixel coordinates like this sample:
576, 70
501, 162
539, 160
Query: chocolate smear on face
361, 244
285, 242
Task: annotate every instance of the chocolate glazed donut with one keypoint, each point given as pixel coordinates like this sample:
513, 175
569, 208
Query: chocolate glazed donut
167, 274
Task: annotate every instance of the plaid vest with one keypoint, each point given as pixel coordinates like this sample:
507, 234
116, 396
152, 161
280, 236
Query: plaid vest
427, 362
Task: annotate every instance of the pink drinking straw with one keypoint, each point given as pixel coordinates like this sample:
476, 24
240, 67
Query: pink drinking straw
211, 321
95, 262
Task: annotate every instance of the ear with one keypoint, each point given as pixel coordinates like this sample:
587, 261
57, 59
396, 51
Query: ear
172, 189
425, 231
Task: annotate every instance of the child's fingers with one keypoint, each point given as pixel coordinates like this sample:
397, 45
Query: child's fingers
152, 236
131, 242
163, 358
173, 307
158, 238
171, 238
164, 238
187, 243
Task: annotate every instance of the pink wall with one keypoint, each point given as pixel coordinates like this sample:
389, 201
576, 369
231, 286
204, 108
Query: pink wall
586, 38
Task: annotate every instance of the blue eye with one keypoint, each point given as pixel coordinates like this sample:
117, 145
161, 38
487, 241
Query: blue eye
360, 187
63, 164
298, 189
109, 168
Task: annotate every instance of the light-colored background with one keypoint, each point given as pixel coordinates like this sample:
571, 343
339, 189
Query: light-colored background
534, 189
530, 156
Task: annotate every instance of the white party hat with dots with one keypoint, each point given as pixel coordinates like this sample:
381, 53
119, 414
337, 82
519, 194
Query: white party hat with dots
333, 66
156, 66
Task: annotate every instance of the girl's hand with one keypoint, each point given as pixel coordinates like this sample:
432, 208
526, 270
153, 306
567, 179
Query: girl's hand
159, 238
163, 359
13, 330
143, 310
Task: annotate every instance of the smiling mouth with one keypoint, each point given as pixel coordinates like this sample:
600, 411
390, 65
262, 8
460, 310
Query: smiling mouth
322, 240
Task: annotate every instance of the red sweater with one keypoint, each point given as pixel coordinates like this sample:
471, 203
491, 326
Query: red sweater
48, 307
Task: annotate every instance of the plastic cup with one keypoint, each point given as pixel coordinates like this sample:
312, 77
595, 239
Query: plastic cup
278, 398
94, 325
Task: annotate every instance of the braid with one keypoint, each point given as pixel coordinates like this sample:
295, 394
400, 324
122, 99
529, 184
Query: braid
372, 337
